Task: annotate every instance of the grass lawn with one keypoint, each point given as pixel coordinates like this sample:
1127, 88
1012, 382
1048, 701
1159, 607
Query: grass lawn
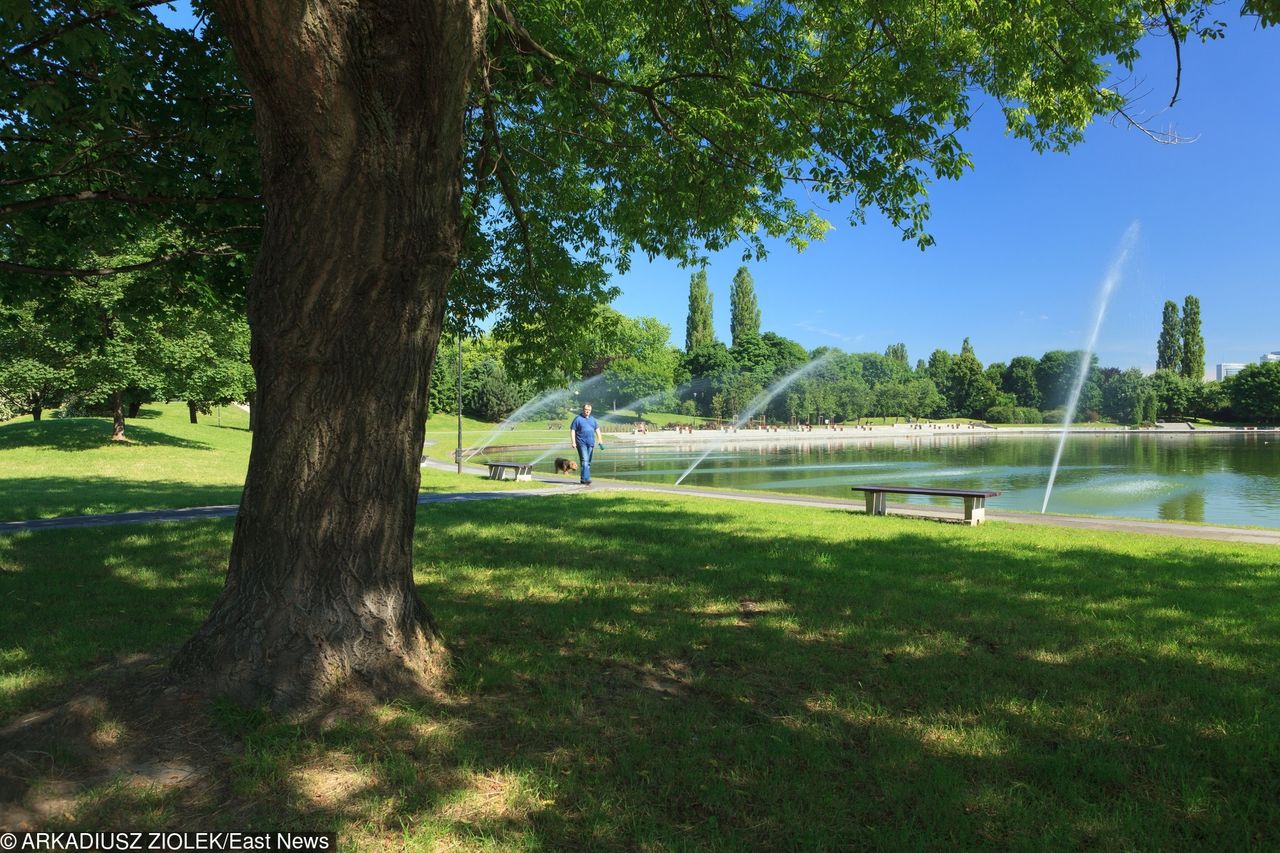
641, 671
69, 466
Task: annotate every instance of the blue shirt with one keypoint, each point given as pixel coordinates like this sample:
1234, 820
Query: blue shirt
584, 430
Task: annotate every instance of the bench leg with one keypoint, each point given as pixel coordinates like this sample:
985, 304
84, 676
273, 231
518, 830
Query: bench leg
975, 510
876, 503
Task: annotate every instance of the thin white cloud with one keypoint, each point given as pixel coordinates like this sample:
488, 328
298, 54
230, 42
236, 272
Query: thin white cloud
818, 330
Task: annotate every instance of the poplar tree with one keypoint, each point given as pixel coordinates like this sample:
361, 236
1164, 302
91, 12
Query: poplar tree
1169, 347
1191, 363
698, 331
744, 309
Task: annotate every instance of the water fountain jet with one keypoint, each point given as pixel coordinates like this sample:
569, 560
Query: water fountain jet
1104, 296
759, 402
550, 397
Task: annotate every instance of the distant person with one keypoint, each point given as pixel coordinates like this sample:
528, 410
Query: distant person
584, 435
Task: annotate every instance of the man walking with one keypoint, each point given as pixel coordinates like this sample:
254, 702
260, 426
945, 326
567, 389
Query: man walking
584, 435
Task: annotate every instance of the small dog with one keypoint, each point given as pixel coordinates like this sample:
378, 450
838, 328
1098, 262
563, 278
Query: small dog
564, 466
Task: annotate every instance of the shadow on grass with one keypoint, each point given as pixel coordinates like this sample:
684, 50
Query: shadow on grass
72, 434
636, 673
57, 497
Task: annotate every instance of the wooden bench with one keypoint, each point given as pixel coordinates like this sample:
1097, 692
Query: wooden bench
518, 470
975, 500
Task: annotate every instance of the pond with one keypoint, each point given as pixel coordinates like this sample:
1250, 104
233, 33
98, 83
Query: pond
1217, 478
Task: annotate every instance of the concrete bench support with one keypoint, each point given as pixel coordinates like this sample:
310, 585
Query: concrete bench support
518, 471
975, 500
975, 509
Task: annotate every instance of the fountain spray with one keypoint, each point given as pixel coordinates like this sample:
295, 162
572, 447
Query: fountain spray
1104, 296
761, 400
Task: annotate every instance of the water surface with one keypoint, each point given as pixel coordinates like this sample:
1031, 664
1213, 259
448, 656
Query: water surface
1231, 478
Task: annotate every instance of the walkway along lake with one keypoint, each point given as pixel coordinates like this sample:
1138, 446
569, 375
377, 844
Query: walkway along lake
1216, 478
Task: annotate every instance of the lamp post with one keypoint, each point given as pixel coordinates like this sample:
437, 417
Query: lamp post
459, 452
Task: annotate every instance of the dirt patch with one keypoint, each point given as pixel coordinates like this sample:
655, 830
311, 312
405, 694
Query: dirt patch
331, 786
670, 678
129, 732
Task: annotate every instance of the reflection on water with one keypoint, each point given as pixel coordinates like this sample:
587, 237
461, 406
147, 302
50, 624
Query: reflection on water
1213, 478
1188, 506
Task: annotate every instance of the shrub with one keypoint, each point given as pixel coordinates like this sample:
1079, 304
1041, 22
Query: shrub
1006, 414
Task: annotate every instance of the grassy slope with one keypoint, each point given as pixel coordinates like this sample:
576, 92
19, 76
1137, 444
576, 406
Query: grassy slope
62, 467
70, 467
666, 672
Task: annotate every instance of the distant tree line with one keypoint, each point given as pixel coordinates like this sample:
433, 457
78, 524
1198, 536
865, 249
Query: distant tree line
107, 345
708, 378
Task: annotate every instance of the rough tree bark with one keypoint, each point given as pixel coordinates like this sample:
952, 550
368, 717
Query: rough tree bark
191, 411
359, 111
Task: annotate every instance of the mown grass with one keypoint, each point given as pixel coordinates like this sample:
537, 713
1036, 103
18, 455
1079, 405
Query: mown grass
652, 672
69, 466
60, 467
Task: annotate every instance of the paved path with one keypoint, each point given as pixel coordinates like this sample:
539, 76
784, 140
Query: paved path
230, 510
556, 485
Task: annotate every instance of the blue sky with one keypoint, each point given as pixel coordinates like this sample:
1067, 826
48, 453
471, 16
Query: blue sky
1024, 240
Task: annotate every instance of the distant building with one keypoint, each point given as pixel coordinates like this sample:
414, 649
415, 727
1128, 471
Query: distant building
1274, 355
1229, 369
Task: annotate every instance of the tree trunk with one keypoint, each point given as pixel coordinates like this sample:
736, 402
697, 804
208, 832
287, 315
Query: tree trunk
37, 410
134, 409
117, 417
191, 410
359, 112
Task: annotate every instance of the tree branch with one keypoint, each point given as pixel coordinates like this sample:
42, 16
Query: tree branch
123, 198
47, 272
76, 23
525, 43
1163, 137
504, 181
1177, 51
